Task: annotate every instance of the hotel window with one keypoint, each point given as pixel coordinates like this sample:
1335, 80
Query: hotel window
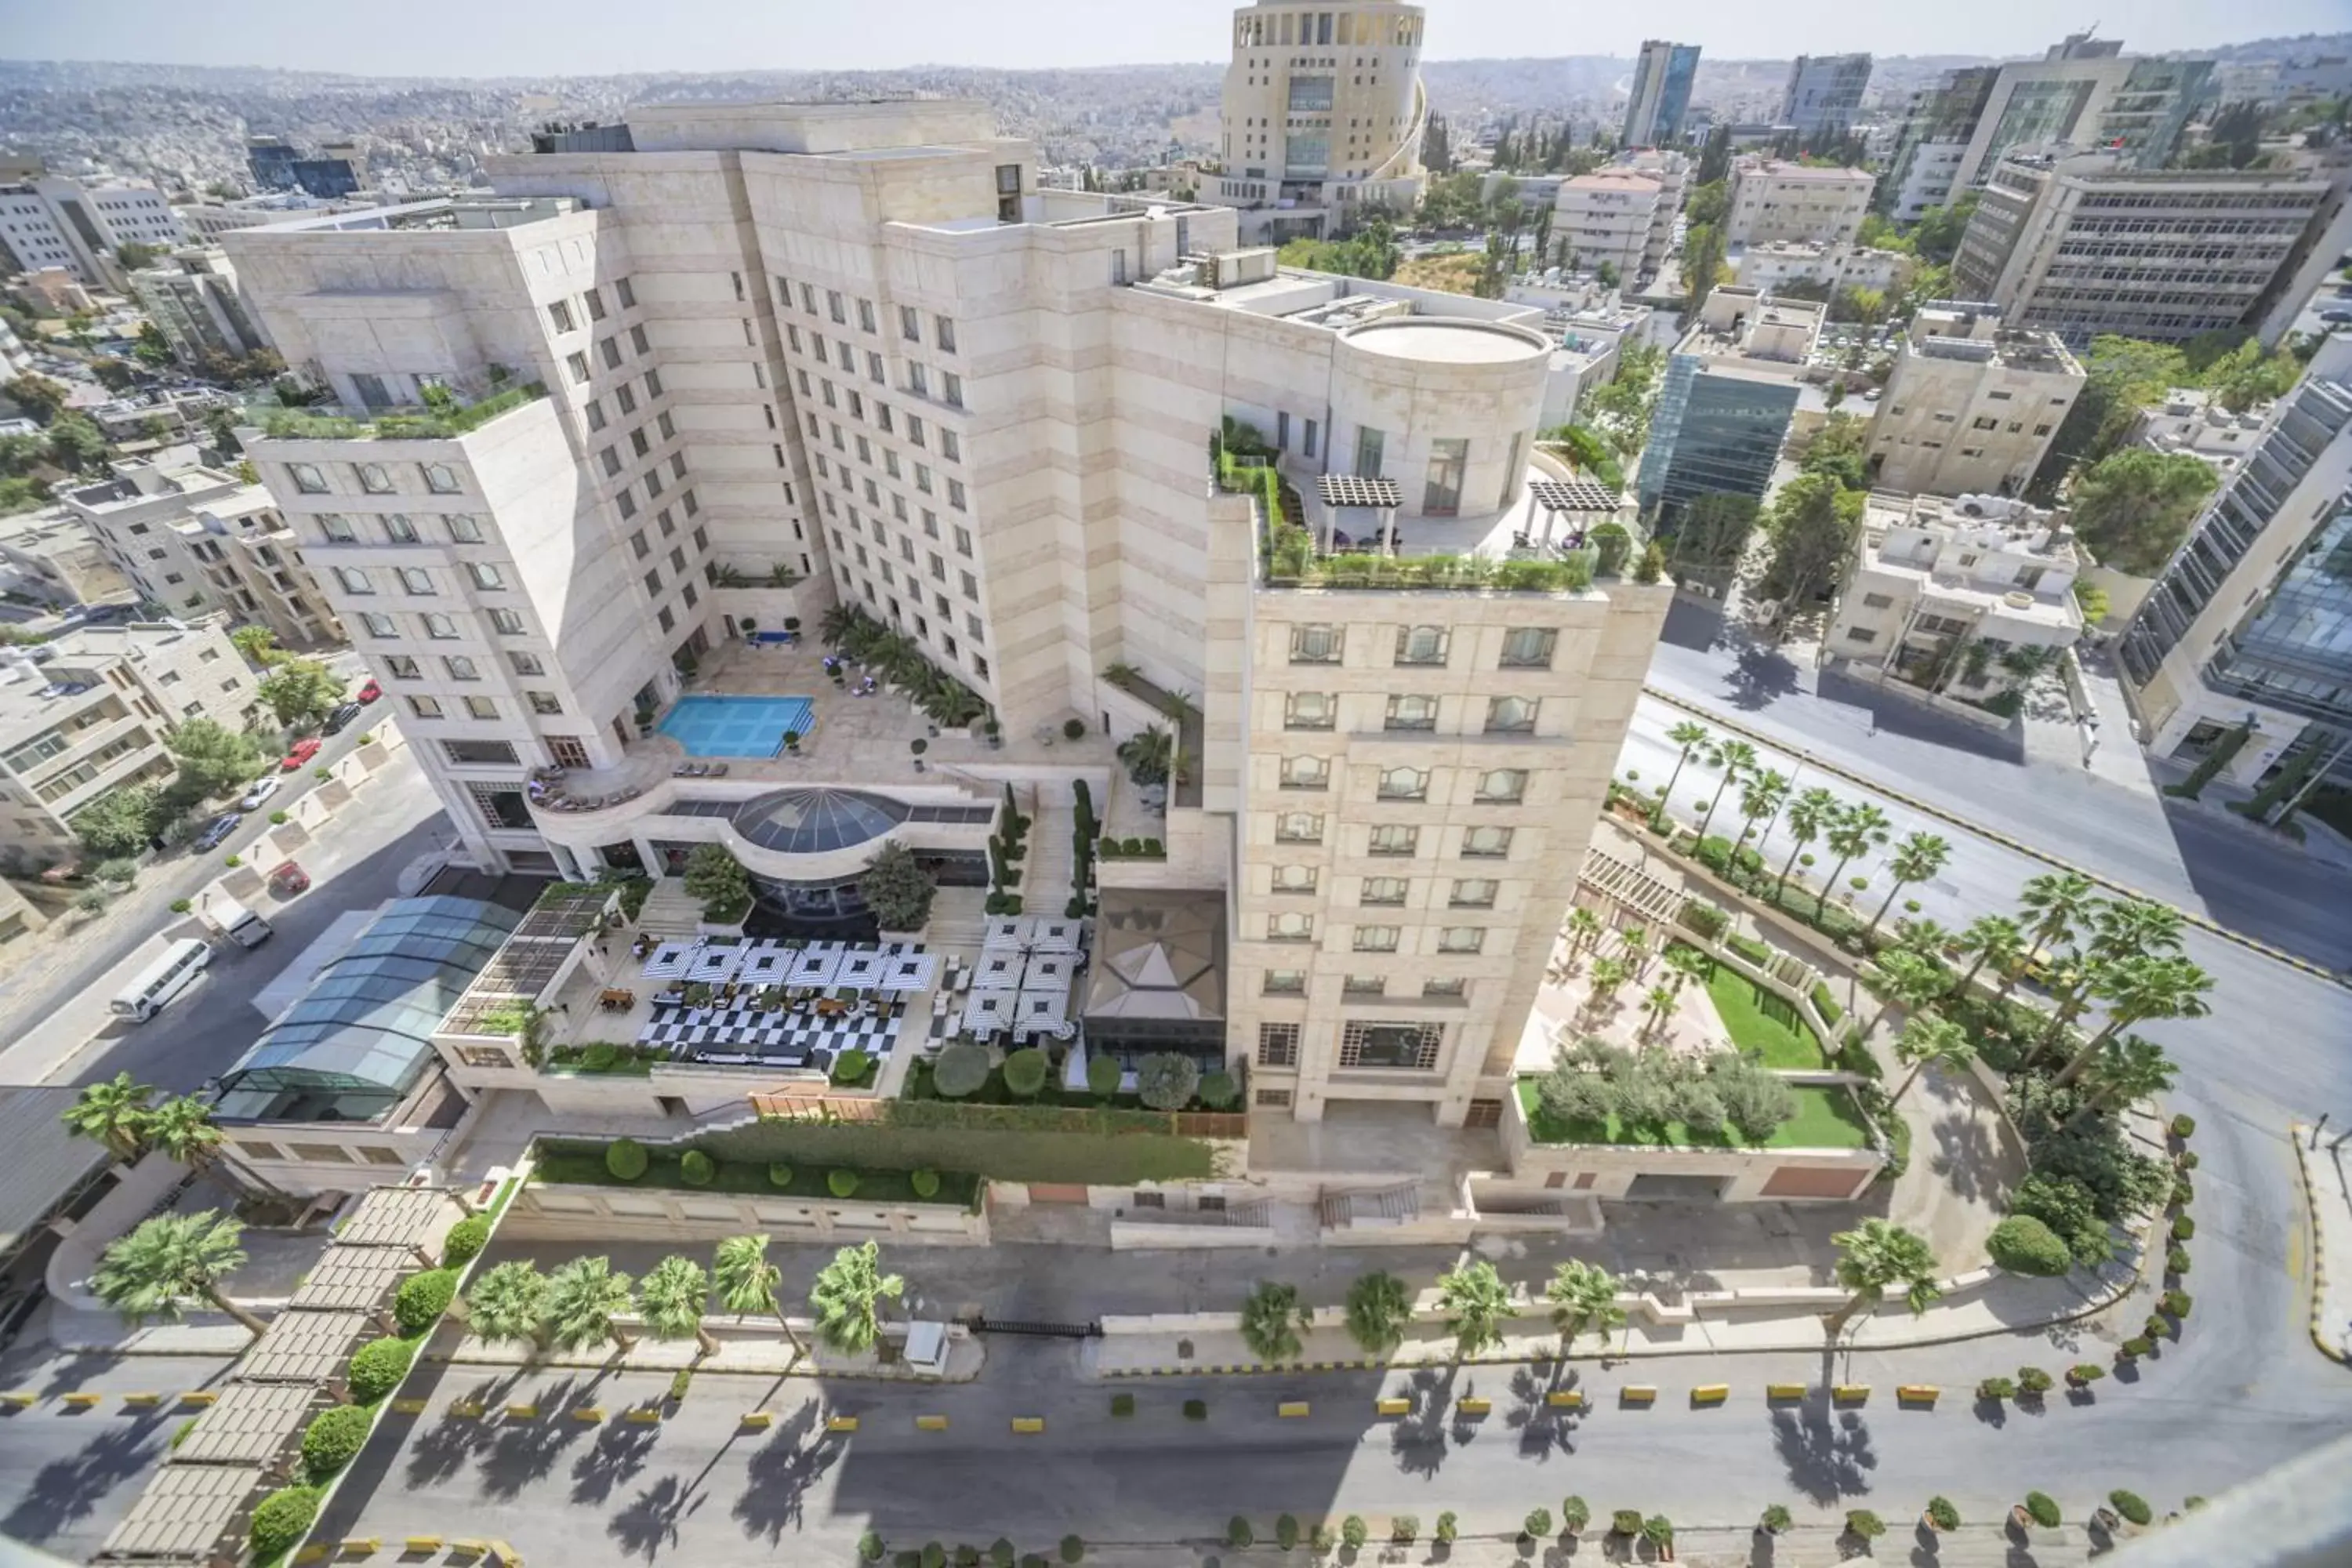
865, 315
485, 575
1486, 843
1306, 773
1474, 893
1364, 986
1384, 891
1284, 983
609, 350
1370, 445
943, 328
401, 668
544, 702
951, 445
1528, 647
639, 442
1375, 939
1454, 990
439, 627
507, 623
373, 479
463, 527
1510, 715
918, 380
914, 429
595, 413
424, 706
378, 625
808, 298
460, 668
440, 479
1299, 827
873, 370
833, 308
416, 580
560, 313
1421, 645
1316, 644
481, 708
955, 495
952, 388
1309, 711
1294, 878
1290, 925
1413, 1047
1411, 713
354, 580
629, 295
526, 664
337, 528
595, 304
1394, 838
1404, 783
910, 324
1460, 939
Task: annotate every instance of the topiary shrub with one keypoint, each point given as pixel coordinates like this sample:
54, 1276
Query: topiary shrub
1072, 1549
2183, 1125
2183, 1227
465, 1241
1024, 1072
961, 1070
1942, 1514
869, 1547
2043, 1508
2131, 1505
841, 1183
626, 1159
1320, 1540
2034, 1379
1626, 1522
2177, 1303
1776, 1519
852, 1065
1573, 1514
1196, 1410
1658, 1530
1238, 1533
1103, 1075
696, 1169
1354, 1533
283, 1519
422, 1298
1864, 1525
934, 1555
1995, 1388
1446, 1527
1218, 1091
1404, 1529
1167, 1080
2184, 1161
2023, 1244
1286, 1531
332, 1440
1122, 1405
779, 1176
2176, 1260
925, 1183
2085, 1372
2137, 1345
378, 1368
1537, 1524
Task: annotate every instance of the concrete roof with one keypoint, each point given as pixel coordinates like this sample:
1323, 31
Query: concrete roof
352, 1279
303, 1347
397, 1216
249, 1426
181, 1513
44, 1158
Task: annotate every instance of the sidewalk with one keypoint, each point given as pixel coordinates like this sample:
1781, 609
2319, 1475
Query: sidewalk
752, 1346
1973, 1545
2327, 1185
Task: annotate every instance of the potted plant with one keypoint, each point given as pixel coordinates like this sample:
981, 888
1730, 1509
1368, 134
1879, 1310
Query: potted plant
2084, 1373
2032, 1382
1573, 1515
1775, 1520
1659, 1531
1626, 1522
2038, 1509
1864, 1525
1993, 1390
918, 746
1940, 1515
2132, 1507
793, 742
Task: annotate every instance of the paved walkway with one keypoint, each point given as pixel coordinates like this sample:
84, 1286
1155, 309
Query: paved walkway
1734, 1546
2327, 1183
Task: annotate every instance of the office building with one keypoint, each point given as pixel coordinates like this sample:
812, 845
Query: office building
1965, 598
1933, 142
1323, 113
1972, 404
2088, 93
192, 298
2250, 627
1658, 102
1606, 217
86, 714
1824, 96
50, 556
1724, 405
784, 361
2083, 245
51, 222
279, 166
1774, 201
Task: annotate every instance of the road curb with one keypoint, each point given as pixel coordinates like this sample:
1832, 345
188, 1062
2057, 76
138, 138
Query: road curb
2317, 1235
1838, 770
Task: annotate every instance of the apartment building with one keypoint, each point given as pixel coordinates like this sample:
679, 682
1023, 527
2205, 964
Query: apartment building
192, 298
2082, 245
1772, 267
1658, 99
1730, 389
2191, 420
86, 714
195, 539
1972, 404
1300, 80
2251, 621
1606, 217
49, 222
1672, 171
778, 359
1773, 201
51, 557
1967, 597
1824, 96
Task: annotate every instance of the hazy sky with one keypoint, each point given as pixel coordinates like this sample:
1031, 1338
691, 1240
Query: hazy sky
516, 38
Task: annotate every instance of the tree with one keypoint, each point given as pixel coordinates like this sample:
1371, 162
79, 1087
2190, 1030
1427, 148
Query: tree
213, 758
151, 348
1608, 975
1930, 1038
1917, 859
1688, 735
2125, 1070
672, 1297
114, 1113
2124, 928
113, 375
509, 1305
2136, 990
1709, 202
583, 1297
2058, 902
1809, 815
1714, 529
747, 1282
713, 876
259, 643
1702, 258
1906, 980
1736, 759
1811, 526
896, 889
1658, 1005
1477, 1305
1760, 799
2246, 376
1583, 929
1583, 1296
1854, 828
1378, 1307
1273, 1322
1875, 1255
1840, 450
77, 443
118, 823
299, 690
1167, 1081
1936, 236
170, 1262
135, 254
1994, 940
183, 1129
38, 396
2134, 507
847, 1297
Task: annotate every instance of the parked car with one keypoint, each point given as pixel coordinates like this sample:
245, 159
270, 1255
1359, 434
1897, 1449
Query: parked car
369, 692
304, 750
263, 788
217, 830
342, 714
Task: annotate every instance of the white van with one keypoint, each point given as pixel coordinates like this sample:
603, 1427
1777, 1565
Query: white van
234, 921
182, 965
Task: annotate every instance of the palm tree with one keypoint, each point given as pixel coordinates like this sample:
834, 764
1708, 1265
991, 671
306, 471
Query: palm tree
1149, 755
1583, 1296
1809, 814
113, 1113
847, 1297
1635, 943
1875, 1255
1856, 828
183, 1129
1994, 940
1659, 1005
1273, 1322
1905, 980
1930, 1038
170, 1261
583, 1297
747, 1282
1689, 735
1378, 1307
1608, 975
1477, 1305
509, 1305
2057, 902
1584, 927
2126, 928
1760, 799
1929, 939
1736, 759
2127, 1069
1685, 964
672, 1299
1917, 858
2139, 989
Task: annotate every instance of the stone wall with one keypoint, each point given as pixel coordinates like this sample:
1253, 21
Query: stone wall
561, 1213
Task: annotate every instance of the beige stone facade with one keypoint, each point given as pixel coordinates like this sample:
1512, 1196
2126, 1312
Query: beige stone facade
50, 556
1773, 201
1972, 404
1608, 217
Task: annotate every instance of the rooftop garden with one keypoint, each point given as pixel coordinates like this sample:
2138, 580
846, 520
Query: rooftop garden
1825, 1117
1763, 1024
441, 417
900, 660
692, 1170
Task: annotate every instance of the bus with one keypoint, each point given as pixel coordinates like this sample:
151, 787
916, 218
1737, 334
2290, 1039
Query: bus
180, 966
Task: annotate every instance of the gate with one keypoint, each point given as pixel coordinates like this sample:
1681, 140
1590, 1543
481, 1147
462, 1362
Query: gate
982, 1325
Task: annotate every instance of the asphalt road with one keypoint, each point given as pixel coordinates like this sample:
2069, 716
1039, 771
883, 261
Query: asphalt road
67, 1478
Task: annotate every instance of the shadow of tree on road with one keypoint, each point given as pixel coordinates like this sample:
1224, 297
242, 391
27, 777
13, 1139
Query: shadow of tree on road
621, 1451
1828, 1453
651, 1521
1543, 1427
1418, 1439
522, 1451
68, 1491
795, 1457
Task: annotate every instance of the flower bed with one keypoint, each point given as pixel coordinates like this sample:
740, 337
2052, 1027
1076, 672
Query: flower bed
583, 1166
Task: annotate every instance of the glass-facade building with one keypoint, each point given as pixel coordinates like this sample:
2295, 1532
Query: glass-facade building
1717, 431
1660, 101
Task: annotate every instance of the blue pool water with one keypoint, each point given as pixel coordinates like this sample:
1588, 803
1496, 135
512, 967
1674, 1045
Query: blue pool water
737, 726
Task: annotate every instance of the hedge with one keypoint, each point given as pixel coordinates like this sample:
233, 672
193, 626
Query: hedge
282, 1519
332, 1440
1101, 1146
422, 1298
465, 1241
566, 1162
626, 1159
378, 1368
2023, 1244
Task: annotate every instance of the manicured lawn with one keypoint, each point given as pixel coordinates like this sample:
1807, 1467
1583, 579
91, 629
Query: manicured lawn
1762, 1024
1826, 1119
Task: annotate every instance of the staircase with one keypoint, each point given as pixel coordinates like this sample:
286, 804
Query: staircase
1367, 1211
1046, 871
671, 913
958, 920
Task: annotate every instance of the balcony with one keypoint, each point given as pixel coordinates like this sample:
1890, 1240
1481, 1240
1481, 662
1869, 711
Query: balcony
440, 423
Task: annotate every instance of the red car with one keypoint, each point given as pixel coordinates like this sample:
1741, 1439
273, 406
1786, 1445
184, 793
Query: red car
370, 691
303, 753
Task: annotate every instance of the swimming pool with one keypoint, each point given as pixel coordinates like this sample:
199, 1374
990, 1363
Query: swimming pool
737, 726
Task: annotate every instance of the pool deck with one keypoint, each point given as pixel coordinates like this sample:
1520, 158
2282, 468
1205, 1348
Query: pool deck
707, 723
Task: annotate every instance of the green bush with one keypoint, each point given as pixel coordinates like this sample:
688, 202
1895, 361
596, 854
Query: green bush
2131, 1505
2137, 1345
1447, 1526
1238, 1532
961, 1070
1166, 1081
2086, 1372
967, 1555
1286, 1531
1072, 1549
2176, 1260
1196, 1410
2042, 1510
2183, 1125
869, 1547
779, 1176
465, 1241
1218, 1091
283, 1519
378, 1368
1776, 1519
852, 1065
1864, 1525
1000, 1552
1995, 1388
1705, 918
1573, 1513
910, 1558
1024, 1072
1537, 1524
422, 1298
1103, 1074
925, 1183
332, 1440
1404, 1529
934, 1555
2034, 1379
600, 1056
626, 1159
1320, 1540
181, 906
1122, 1405
2023, 1244
1354, 1533
841, 1183
696, 1169
2177, 1303
1658, 1530
2155, 1327
2183, 1227
2184, 1161
1942, 1514
1626, 1522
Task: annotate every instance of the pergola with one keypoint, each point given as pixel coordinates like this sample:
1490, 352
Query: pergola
1382, 495
1578, 497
